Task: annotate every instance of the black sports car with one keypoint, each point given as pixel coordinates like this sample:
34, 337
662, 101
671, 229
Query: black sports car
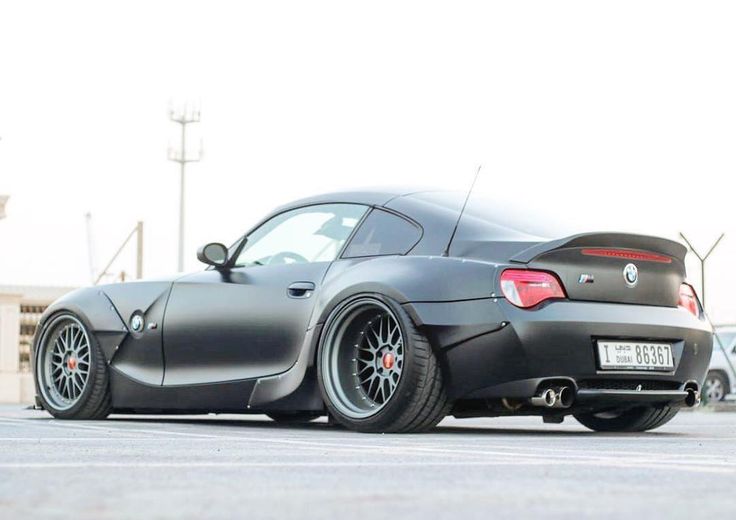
379, 310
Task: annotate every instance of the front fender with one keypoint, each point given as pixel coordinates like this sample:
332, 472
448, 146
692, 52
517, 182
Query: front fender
94, 308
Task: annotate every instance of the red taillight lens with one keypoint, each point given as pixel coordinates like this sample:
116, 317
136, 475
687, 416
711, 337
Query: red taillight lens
526, 288
688, 300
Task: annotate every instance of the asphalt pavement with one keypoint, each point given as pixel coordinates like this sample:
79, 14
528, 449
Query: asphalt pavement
249, 467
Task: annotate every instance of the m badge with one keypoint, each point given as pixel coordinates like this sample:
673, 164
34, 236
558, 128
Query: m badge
586, 278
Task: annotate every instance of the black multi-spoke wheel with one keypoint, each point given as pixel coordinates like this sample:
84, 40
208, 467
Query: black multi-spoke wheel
71, 376
377, 372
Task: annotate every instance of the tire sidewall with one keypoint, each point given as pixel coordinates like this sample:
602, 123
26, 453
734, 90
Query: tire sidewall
39, 347
410, 371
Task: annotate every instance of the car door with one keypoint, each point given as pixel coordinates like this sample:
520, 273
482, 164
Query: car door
250, 320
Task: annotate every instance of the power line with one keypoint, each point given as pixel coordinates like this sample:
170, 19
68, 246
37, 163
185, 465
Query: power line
183, 116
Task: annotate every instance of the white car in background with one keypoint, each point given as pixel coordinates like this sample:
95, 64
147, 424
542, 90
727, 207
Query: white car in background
721, 379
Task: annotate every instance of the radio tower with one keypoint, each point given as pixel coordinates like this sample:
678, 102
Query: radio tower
183, 116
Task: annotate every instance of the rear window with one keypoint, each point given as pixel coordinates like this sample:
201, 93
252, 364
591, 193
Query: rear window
383, 233
496, 219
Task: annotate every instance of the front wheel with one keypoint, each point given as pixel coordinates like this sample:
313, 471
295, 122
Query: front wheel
70, 370
377, 372
639, 419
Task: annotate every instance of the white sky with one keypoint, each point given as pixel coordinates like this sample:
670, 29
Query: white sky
603, 116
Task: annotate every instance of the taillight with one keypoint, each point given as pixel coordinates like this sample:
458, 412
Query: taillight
628, 254
525, 288
688, 300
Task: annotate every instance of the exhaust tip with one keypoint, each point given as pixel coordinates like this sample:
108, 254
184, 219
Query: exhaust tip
693, 398
547, 397
550, 397
565, 397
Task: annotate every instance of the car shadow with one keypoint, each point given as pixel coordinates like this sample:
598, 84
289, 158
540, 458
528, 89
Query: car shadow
322, 425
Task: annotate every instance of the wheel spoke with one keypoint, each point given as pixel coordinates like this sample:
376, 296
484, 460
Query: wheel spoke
77, 384
368, 377
371, 345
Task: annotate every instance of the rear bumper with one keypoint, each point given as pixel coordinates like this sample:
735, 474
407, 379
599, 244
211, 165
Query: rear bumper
611, 397
557, 341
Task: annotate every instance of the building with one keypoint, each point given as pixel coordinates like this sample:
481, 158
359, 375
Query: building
20, 310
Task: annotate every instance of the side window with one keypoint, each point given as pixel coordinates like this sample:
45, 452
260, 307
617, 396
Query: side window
726, 339
310, 234
383, 233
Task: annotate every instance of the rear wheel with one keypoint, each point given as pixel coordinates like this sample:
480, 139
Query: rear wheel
715, 387
637, 419
70, 371
377, 372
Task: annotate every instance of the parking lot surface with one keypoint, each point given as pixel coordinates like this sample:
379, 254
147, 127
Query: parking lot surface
249, 467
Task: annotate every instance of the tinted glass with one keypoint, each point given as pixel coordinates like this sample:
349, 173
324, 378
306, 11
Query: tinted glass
726, 339
311, 234
383, 233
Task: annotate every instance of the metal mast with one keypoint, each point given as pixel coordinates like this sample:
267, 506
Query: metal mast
183, 116
702, 259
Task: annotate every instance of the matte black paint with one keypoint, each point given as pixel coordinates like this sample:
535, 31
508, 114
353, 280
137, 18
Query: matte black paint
245, 339
240, 324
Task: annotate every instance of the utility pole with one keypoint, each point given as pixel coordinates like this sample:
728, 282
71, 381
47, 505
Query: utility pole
139, 251
90, 247
3, 200
702, 262
184, 116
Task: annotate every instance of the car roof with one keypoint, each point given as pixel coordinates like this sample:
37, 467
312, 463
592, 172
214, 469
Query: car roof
370, 196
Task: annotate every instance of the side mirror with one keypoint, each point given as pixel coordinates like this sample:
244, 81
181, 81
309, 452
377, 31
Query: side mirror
214, 254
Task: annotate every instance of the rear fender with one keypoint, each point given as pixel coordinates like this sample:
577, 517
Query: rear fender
417, 283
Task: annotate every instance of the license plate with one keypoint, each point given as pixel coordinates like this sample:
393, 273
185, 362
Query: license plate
635, 355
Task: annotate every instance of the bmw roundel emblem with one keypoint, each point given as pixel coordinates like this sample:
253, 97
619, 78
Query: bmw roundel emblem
136, 323
631, 275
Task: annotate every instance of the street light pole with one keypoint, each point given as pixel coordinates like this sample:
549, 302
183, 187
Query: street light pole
183, 117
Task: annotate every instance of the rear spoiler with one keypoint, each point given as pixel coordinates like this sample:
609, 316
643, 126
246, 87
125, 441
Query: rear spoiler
612, 240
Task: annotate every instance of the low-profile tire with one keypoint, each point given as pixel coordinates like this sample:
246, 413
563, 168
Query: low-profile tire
71, 374
639, 419
293, 417
715, 387
377, 372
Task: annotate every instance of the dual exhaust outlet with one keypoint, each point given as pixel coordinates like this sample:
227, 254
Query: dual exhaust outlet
555, 397
564, 397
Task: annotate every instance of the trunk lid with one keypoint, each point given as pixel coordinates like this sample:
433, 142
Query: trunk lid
597, 267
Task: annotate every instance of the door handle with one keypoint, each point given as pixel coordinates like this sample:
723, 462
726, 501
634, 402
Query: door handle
300, 290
